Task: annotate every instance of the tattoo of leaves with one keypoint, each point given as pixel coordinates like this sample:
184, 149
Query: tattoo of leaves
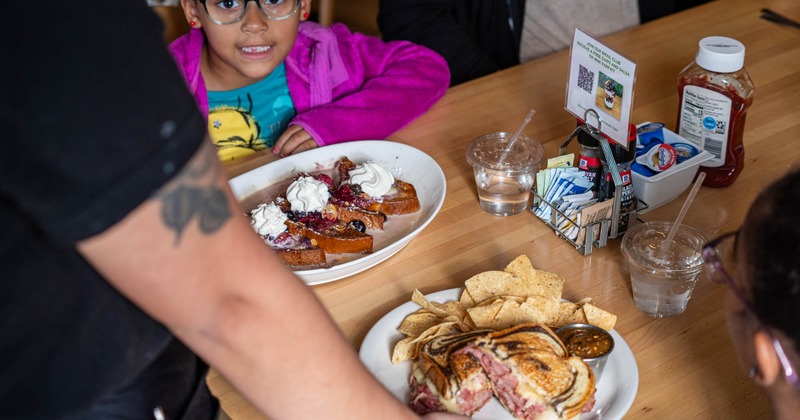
183, 203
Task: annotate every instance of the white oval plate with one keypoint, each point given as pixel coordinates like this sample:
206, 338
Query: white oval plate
615, 391
405, 162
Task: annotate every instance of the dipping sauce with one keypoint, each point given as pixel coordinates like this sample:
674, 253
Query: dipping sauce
586, 342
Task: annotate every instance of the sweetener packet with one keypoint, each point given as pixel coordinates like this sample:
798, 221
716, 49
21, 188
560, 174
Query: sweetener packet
569, 183
591, 214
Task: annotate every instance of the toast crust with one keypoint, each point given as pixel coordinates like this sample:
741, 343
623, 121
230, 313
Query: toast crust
338, 238
305, 258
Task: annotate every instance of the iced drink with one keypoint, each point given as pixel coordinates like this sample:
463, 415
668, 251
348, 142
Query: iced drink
662, 278
504, 177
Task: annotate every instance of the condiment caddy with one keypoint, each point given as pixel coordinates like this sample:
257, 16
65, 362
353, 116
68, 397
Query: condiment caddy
600, 221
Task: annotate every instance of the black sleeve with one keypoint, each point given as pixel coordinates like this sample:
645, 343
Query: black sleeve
434, 24
99, 114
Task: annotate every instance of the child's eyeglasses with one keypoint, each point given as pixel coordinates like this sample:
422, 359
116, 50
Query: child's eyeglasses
225, 12
722, 249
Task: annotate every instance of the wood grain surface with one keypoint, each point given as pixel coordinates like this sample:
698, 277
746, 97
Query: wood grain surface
687, 367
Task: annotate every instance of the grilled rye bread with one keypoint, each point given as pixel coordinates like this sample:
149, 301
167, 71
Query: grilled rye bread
445, 379
532, 374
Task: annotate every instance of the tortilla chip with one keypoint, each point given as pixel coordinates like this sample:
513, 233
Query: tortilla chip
420, 299
541, 282
466, 300
540, 309
513, 313
436, 330
452, 308
419, 321
546, 305
405, 349
569, 313
498, 283
482, 316
520, 266
599, 317
550, 285
518, 299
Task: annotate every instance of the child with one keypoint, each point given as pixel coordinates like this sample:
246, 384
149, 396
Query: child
267, 78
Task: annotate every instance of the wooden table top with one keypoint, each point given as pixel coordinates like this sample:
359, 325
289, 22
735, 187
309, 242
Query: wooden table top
687, 366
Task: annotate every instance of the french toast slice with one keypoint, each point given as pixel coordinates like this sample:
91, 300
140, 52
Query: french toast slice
401, 199
335, 229
334, 237
297, 251
370, 219
306, 258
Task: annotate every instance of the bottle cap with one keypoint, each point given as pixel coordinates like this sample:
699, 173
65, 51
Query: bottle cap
720, 54
587, 140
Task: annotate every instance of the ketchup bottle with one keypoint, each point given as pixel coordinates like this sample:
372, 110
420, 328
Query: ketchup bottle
715, 92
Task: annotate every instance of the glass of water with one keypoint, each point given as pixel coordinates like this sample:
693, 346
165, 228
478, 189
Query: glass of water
504, 171
662, 277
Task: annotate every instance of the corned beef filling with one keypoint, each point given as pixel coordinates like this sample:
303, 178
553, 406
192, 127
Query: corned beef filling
470, 401
505, 385
422, 400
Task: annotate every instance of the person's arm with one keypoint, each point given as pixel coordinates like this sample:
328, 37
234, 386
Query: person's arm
387, 86
189, 258
432, 23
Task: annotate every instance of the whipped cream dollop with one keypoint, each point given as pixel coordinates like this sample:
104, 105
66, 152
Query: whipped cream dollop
307, 194
268, 220
375, 179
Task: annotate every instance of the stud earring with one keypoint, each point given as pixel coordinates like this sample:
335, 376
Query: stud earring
753, 372
192, 24
305, 15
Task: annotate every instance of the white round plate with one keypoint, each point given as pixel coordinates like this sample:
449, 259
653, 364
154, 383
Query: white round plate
405, 162
615, 391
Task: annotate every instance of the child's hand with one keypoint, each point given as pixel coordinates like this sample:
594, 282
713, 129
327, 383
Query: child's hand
294, 140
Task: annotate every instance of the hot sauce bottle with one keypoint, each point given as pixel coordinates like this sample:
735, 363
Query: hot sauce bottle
715, 92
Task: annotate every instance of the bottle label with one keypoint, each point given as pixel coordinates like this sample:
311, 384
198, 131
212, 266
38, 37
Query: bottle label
591, 168
705, 119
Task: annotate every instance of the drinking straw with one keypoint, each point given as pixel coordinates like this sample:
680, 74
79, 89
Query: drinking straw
684, 209
516, 135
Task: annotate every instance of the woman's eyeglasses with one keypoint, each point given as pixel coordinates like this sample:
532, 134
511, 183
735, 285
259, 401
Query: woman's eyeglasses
225, 12
722, 250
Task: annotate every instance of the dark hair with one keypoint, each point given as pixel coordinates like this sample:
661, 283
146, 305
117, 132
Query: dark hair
772, 251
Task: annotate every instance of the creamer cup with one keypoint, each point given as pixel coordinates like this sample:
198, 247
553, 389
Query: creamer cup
659, 157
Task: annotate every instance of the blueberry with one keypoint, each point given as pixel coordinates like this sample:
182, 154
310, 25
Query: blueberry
358, 225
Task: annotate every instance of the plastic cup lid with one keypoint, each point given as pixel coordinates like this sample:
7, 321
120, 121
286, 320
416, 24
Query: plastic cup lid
720, 54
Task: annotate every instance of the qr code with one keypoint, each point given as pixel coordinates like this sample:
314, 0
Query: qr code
585, 79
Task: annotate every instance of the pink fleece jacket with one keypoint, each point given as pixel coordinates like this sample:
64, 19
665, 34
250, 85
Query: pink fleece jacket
345, 86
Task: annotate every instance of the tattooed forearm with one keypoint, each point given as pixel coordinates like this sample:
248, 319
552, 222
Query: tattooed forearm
195, 193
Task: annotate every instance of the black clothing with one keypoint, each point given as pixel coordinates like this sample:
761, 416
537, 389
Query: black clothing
649, 9
96, 118
476, 37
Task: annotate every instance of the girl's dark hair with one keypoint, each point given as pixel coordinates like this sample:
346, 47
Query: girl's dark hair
773, 255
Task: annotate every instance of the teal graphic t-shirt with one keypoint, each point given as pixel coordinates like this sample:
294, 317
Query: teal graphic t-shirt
246, 120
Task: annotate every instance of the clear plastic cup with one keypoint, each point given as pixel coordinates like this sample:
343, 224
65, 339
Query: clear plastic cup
504, 180
662, 279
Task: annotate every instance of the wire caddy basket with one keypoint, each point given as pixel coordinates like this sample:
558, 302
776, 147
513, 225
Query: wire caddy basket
597, 233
